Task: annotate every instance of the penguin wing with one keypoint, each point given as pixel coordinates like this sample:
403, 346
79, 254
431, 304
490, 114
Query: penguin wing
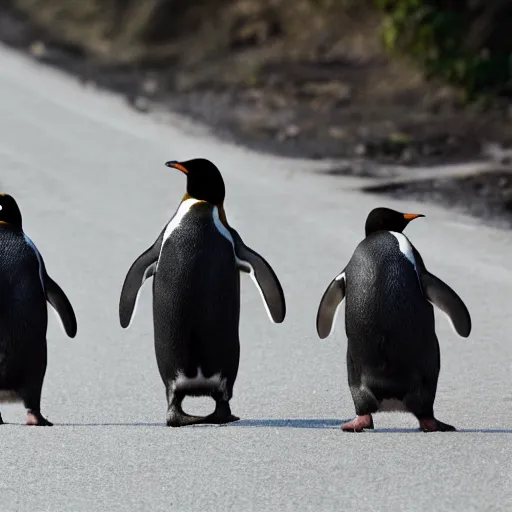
142, 268
328, 308
445, 298
264, 277
60, 303
55, 295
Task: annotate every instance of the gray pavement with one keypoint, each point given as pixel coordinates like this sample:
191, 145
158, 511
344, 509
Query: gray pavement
90, 178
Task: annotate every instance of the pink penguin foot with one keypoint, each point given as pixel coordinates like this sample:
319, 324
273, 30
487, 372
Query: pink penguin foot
358, 424
37, 419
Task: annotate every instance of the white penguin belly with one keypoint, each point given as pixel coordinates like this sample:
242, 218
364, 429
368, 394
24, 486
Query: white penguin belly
405, 247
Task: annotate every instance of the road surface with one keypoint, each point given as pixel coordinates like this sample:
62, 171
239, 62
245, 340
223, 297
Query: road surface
89, 175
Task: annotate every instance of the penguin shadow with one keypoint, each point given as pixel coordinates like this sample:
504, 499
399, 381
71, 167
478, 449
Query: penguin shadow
335, 424
315, 424
134, 424
458, 431
289, 423
300, 423
485, 430
263, 423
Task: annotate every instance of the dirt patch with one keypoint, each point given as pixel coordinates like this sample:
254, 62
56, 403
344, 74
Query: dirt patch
487, 196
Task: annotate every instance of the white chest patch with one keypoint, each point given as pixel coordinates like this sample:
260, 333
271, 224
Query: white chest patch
183, 210
405, 247
39, 259
223, 230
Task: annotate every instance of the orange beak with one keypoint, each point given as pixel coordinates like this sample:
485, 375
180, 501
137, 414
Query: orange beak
177, 165
412, 216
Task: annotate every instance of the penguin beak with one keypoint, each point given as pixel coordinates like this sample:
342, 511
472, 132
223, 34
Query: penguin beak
412, 216
176, 165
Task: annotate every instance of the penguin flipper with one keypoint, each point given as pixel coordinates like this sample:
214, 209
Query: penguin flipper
264, 277
328, 308
142, 269
444, 297
60, 303
55, 295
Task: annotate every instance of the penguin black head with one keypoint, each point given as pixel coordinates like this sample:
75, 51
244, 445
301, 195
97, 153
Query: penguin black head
385, 219
9, 211
204, 180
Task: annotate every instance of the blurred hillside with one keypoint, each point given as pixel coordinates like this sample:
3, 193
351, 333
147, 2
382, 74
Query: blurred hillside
406, 80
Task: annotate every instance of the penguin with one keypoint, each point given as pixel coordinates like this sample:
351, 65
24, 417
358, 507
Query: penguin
26, 287
393, 355
195, 264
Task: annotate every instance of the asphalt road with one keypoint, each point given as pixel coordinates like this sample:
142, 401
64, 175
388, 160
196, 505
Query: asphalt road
90, 178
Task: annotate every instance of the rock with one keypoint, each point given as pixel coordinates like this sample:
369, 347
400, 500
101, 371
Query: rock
290, 132
497, 153
337, 132
150, 85
276, 100
38, 49
256, 95
407, 156
249, 34
360, 149
338, 91
139, 103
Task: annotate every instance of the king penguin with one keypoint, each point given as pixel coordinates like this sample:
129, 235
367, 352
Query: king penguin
195, 264
26, 287
393, 356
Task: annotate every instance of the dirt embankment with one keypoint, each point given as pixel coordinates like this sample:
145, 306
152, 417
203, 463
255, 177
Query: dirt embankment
296, 77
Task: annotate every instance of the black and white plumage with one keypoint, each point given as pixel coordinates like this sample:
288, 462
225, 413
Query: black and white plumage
25, 288
195, 264
393, 357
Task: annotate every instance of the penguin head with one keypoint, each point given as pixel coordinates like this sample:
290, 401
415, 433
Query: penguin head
385, 219
204, 181
9, 211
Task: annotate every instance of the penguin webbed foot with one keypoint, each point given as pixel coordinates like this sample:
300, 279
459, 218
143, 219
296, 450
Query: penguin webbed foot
36, 419
182, 419
358, 424
222, 414
434, 425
